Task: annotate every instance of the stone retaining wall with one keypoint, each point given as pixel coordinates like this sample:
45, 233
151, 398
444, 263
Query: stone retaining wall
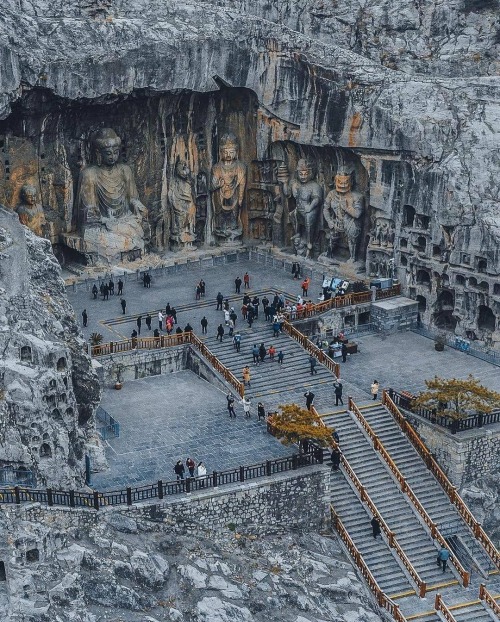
464, 456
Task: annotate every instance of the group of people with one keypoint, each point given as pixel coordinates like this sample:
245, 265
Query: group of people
107, 289
246, 402
195, 470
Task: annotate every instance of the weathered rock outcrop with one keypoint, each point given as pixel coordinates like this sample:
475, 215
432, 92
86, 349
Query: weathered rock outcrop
119, 566
49, 390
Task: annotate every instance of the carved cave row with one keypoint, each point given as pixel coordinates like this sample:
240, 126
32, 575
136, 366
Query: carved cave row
376, 209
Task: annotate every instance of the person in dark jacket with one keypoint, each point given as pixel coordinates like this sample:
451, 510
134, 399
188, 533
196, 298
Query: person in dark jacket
309, 395
220, 332
443, 557
219, 299
261, 413
313, 362
148, 321
179, 469
95, 291
335, 458
237, 284
85, 317
262, 352
338, 393
375, 527
344, 353
204, 324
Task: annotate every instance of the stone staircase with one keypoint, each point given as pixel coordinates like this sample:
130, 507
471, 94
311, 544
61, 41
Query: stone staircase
268, 377
411, 532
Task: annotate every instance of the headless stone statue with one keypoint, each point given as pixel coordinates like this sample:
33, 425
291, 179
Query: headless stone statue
228, 185
182, 207
112, 216
308, 196
343, 211
30, 212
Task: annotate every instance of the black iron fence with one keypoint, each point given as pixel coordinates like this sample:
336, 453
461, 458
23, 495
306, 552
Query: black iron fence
478, 420
160, 489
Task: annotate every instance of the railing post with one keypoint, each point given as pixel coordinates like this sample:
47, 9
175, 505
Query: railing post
18, 496
129, 496
188, 485
111, 347
214, 479
50, 498
162, 341
422, 589
391, 539
242, 473
437, 601
295, 462
481, 591
268, 467
96, 500
160, 489
71, 498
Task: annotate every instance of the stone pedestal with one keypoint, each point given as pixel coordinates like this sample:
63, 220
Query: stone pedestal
394, 313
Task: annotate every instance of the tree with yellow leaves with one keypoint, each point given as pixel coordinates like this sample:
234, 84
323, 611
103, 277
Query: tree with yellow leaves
457, 398
296, 425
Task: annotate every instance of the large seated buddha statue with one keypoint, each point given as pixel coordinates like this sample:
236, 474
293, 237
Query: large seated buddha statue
112, 217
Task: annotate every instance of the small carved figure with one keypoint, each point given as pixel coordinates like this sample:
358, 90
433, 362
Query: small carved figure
30, 212
308, 196
343, 210
182, 206
391, 234
112, 216
384, 234
228, 185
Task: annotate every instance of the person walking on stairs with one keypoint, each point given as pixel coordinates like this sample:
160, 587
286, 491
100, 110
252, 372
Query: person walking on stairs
281, 356
374, 389
246, 376
338, 393
335, 458
309, 395
375, 527
443, 557
255, 354
313, 362
220, 332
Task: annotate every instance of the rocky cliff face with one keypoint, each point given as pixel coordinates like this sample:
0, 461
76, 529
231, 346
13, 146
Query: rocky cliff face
86, 568
49, 391
406, 97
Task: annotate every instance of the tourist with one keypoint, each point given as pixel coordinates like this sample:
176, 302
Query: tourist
85, 318
105, 292
335, 436
191, 465
276, 327
309, 395
160, 320
203, 288
344, 353
226, 305
173, 313
120, 287
374, 389
232, 315
168, 309
139, 324
156, 335
244, 312
220, 332
237, 283
230, 406
226, 317
169, 324
178, 330
375, 527
313, 362
148, 321
198, 292
246, 299
255, 354
443, 557
219, 299
262, 352
271, 352
338, 393
179, 469
250, 317
246, 376
134, 339
201, 471
261, 413
246, 406
95, 291
204, 324
237, 342
305, 286
281, 356
255, 303
335, 458
123, 303
111, 287
188, 328
296, 270
246, 280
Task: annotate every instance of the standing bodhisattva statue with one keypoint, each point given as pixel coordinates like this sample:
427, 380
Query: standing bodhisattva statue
343, 211
112, 216
229, 177
308, 195
182, 207
30, 212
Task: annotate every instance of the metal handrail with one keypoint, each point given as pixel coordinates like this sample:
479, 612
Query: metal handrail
406, 489
443, 480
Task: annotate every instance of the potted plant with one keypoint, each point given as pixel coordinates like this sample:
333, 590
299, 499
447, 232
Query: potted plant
118, 369
440, 342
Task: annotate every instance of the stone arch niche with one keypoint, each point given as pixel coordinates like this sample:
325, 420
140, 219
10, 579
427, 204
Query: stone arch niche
331, 178
171, 143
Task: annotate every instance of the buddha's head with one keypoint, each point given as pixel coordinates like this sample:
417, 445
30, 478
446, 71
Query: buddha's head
107, 144
228, 148
343, 182
182, 169
28, 195
305, 171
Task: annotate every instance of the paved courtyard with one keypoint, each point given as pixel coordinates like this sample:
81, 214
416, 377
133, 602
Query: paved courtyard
166, 418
